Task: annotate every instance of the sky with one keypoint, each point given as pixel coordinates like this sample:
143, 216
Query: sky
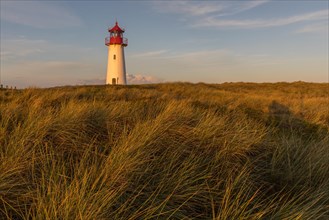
56, 43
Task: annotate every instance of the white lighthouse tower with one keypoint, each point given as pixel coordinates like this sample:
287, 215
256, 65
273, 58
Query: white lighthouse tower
116, 67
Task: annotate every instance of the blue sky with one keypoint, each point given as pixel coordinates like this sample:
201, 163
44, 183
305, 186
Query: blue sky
53, 43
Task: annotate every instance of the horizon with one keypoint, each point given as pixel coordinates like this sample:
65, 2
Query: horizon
53, 44
141, 85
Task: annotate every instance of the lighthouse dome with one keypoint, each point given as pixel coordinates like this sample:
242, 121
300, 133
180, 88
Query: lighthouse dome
116, 28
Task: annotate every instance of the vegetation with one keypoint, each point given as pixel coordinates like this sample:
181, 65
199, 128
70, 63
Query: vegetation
166, 151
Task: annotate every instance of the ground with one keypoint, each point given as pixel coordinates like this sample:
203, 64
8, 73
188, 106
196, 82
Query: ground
165, 151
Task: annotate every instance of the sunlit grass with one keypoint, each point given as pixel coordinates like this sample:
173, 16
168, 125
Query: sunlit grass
167, 151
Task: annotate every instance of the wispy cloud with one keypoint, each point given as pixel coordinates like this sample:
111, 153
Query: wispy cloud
214, 58
38, 62
21, 47
38, 14
150, 53
315, 28
46, 73
187, 7
200, 8
207, 58
212, 14
204, 56
240, 6
15, 49
215, 22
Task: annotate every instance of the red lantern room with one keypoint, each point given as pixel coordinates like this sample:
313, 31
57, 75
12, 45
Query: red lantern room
116, 36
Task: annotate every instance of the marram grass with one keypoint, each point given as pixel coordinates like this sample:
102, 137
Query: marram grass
166, 151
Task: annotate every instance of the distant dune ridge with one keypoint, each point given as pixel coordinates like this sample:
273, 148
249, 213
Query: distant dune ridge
165, 151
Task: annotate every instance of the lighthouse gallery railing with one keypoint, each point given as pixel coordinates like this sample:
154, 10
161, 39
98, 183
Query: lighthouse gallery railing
108, 39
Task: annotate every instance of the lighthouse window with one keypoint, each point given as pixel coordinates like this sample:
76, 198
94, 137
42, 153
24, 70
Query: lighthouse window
114, 57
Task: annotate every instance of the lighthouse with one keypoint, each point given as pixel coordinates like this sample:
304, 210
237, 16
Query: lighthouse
116, 67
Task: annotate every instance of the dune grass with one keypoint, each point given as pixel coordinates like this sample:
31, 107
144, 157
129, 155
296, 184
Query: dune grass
166, 151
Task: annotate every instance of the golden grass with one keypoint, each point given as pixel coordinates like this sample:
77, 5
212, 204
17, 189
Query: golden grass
166, 151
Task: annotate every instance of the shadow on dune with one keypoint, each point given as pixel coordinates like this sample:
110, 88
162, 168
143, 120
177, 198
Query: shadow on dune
281, 117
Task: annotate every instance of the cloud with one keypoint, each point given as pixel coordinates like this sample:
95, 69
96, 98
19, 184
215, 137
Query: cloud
15, 49
142, 79
37, 62
21, 47
47, 73
131, 79
201, 8
315, 28
150, 53
38, 14
192, 55
241, 6
186, 7
214, 22
211, 13
199, 54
